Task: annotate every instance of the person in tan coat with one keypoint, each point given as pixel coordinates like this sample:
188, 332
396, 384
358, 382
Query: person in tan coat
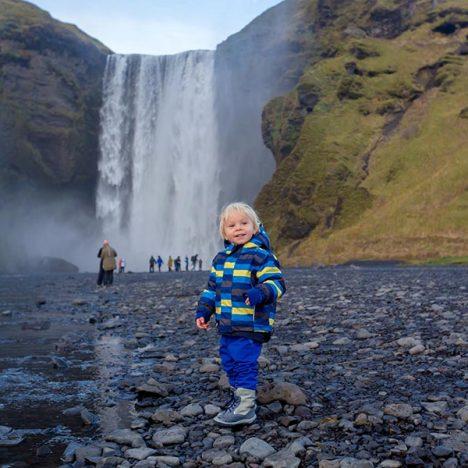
108, 264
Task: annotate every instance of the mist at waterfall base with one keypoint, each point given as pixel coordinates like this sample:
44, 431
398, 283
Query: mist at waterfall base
37, 225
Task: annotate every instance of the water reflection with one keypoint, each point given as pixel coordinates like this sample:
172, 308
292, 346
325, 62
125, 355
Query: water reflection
112, 361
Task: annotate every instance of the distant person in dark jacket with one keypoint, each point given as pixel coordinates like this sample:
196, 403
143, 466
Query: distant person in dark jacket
152, 261
193, 259
159, 261
186, 263
177, 263
244, 284
108, 264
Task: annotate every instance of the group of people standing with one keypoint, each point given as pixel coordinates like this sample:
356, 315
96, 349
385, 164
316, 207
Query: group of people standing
176, 263
108, 264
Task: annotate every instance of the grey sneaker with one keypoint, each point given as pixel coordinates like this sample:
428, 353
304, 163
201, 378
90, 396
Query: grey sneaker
240, 411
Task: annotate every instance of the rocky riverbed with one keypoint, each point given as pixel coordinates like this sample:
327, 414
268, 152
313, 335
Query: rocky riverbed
367, 368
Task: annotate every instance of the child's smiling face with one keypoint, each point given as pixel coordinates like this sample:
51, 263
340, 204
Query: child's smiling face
238, 228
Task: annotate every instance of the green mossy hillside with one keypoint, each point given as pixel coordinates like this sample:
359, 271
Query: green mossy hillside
371, 145
50, 96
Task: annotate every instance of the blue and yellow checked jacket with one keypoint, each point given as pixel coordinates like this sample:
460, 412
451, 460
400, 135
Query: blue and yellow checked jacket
235, 270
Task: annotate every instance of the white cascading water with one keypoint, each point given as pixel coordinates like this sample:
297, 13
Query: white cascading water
159, 185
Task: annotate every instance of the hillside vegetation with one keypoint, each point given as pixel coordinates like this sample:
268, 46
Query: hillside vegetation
372, 143
50, 95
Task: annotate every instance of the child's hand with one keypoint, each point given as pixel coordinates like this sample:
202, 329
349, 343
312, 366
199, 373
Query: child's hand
201, 324
253, 297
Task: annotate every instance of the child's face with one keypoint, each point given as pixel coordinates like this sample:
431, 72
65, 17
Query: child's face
238, 228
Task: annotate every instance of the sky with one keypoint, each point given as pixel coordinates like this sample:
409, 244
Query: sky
157, 27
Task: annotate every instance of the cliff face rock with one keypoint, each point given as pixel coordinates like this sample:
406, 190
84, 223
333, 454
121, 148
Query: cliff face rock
371, 142
263, 60
50, 96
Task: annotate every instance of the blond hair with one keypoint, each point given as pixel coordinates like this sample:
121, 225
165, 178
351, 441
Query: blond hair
239, 207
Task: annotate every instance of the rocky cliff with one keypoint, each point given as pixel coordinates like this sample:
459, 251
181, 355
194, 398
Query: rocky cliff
263, 60
50, 96
371, 145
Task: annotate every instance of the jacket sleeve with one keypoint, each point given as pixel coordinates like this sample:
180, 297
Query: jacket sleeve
206, 303
270, 279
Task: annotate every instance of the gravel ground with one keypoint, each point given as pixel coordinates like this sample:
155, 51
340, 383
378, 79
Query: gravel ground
367, 367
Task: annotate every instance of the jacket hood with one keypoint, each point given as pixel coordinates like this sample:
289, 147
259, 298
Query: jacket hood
261, 239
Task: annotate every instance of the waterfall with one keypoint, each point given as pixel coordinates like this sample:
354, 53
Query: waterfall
158, 190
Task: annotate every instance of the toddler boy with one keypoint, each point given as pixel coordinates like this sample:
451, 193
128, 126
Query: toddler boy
244, 284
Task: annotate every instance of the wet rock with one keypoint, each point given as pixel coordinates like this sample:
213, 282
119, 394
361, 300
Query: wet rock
153, 388
414, 441
282, 459
79, 302
399, 410
282, 391
363, 334
126, 437
211, 410
84, 453
303, 347
450, 463
349, 462
69, 452
413, 460
441, 451
10, 439
257, 448
39, 325
107, 462
139, 453
390, 464
192, 410
74, 411
59, 362
148, 463
43, 451
4, 430
111, 323
329, 464
408, 342
418, 349
166, 416
217, 457
209, 368
171, 436
88, 418
167, 460
462, 413
223, 442
342, 341
438, 407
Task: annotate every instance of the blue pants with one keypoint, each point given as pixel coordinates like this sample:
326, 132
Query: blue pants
239, 358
